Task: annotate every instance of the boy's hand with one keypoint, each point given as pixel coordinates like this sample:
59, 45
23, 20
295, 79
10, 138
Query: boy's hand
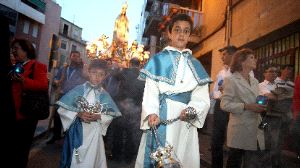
95, 116
89, 117
153, 120
183, 115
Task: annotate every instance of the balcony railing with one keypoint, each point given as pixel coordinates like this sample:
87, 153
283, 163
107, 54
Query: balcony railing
170, 9
39, 5
163, 11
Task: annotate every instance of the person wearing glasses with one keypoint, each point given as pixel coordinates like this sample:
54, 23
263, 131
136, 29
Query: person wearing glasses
268, 84
176, 86
279, 90
33, 79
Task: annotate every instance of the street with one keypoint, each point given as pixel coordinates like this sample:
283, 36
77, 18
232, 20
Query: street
48, 156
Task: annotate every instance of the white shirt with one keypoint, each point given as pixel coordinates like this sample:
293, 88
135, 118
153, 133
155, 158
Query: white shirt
266, 87
224, 73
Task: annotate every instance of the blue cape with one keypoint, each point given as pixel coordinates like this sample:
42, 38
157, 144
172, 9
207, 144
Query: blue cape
163, 67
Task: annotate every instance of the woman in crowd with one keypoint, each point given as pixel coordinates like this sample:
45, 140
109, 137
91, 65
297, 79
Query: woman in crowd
244, 138
34, 78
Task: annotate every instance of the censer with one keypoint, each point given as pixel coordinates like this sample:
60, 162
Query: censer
85, 106
163, 155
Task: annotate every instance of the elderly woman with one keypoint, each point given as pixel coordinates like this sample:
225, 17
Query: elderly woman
34, 78
244, 138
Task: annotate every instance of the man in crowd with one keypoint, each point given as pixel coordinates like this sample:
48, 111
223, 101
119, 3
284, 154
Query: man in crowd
220, 116
278, 117
66, 79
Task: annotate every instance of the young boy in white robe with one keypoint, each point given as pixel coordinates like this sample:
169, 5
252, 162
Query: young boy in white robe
176, 85
86, 112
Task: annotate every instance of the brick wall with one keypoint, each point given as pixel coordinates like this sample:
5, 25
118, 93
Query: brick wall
252, 19
213, 20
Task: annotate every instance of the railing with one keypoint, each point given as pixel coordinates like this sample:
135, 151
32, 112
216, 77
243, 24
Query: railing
163, 10
39, 5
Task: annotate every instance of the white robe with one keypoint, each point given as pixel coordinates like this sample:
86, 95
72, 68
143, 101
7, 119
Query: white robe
183, 139
92, 151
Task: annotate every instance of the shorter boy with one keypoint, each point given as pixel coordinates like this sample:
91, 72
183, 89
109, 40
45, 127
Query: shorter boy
84, 125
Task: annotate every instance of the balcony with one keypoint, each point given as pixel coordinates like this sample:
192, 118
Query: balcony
160, 14
153, 19
39, 5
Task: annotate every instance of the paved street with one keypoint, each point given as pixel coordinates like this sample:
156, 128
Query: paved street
48, 156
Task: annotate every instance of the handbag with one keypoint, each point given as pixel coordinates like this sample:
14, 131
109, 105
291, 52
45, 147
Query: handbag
35, 104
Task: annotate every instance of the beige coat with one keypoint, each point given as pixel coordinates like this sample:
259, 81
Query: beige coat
242, 132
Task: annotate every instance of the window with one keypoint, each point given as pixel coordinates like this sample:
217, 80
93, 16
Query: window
65, 30
35, 30
63, 44
62, 60
74, 47
75, 34
282, 51
26, 27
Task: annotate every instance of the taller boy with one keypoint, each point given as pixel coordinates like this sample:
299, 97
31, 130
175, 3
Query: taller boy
176, 84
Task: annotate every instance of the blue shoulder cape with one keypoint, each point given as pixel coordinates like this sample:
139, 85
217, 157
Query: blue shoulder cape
68, 101
163, 67
74, 135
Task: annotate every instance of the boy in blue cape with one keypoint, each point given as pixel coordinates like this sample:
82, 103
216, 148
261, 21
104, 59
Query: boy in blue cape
176, 85
86, 112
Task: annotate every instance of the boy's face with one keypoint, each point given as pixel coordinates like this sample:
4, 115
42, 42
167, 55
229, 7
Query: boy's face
180, 34
96, 76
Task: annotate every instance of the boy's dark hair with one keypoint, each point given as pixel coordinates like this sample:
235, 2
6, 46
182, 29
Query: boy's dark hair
98, 64
180, 17
26, 46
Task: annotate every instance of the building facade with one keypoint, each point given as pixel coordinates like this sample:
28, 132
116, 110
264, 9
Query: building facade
271, 28
49, 34
26, 18
70, 39
157, 15
35, 20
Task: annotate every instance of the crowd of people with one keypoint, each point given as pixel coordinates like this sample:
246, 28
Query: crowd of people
254, 119
150, 114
